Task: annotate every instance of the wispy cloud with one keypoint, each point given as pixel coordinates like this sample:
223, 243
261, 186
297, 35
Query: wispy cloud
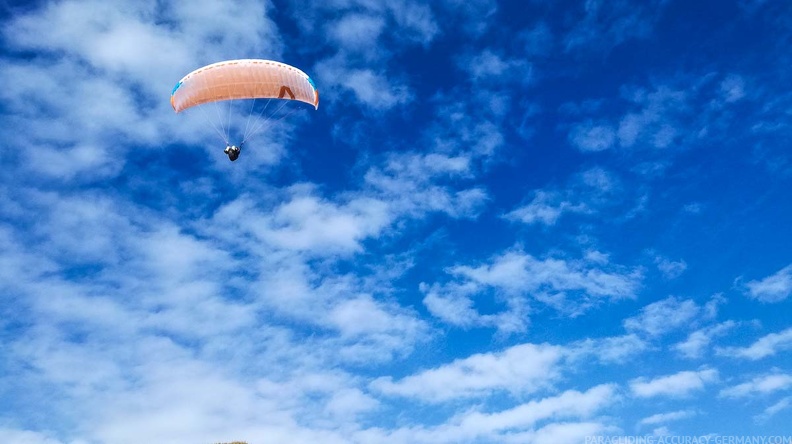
415, 183
545, 208
765, 346
569, 286
587, 193
473, 17
662, 418
355, 32
27, 437
518, 424
773, 410
760, 385
665, 117
664, 316
774, 288
521, 369
610, 350
652, 123
680, 384
591, 137
368, 87
306, 222
698, 341
362, 45
570, 404
491, 69
670, 269
603, 25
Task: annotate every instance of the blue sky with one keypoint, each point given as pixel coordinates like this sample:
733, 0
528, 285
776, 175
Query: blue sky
528, 221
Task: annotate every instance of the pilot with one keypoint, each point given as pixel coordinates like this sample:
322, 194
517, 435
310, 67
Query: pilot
232, 151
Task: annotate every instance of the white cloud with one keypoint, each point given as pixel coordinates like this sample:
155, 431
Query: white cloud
588, 192
570, 404
664, 316
698, 341
453, 304
475, 17
663, 117
600, 181
760, 385
86, 227
693, 208
591, 137
571, 287
562, 433
346, 404
517, 424
609, 350
117, 42
363, 42
308, 223
772, 410
357, 31
518, 272
774, 288
371, 88
75, 147
604, 25
654, 121
711, 307
135, 382
152, 295
362, 314
144, 369
472, 127
537, 40
661, 431
369, 329
765, 346
305, 221
415, 184
416, 19
367, 87
28, 437
733, 88
198, 415
662, 418
670, 269
492, 68
521, 369
545, 208
455, 309
659, 117
681, 384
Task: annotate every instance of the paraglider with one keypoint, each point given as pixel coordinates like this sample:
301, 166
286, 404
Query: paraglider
233, 151
243, 80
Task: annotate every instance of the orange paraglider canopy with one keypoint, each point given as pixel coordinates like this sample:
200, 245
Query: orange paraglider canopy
243, 79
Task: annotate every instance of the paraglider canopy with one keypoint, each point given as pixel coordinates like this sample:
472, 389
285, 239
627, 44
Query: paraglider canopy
239, 81
243, 79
